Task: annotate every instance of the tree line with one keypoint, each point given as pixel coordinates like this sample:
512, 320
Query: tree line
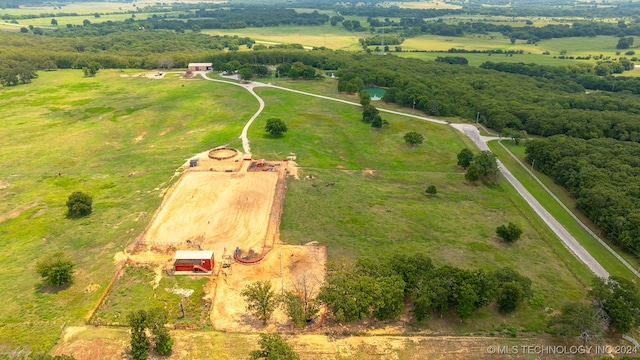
604, 177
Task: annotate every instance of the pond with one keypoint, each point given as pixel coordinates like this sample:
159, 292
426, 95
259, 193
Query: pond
376, 93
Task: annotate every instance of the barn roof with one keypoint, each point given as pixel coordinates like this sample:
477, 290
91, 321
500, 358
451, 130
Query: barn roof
200, 64
194, 254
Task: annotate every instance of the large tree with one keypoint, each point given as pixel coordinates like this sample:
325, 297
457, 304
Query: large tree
261, 299
245, 74
619, 298
140, 345
465, 156
56, 269
275, 127
365, 98
578, 319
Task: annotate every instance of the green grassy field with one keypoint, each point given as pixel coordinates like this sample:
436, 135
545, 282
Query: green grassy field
119, 139
333, 37
132, 292
378, 207
604, 257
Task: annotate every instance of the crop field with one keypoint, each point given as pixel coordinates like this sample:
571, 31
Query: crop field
333, 37
117, 137
428, 4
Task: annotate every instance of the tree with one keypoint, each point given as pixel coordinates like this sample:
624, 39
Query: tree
619, 299
413, 138
275, 127
365, 98
260, 298
165, 63
54, 22
465, 157
509, 233
91, 69
369, 112
300, 303
79, 204
509, 296
245, 74
577, 319
472, 173
140, 345
431, 190
273, 347
163, 343
487, 165
377, 122
512, 288
56, 269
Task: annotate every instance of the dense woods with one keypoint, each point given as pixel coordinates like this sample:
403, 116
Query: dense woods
603, 175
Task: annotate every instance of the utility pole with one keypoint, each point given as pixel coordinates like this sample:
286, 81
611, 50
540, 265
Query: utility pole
477, 117
532, 162
414, 107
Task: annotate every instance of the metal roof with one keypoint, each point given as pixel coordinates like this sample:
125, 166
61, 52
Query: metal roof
193, 254
200, 64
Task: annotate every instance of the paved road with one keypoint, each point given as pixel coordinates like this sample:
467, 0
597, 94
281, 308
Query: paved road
569, 241
481, 141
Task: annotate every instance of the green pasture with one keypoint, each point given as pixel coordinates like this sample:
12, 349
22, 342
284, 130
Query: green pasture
602, 255
119, 139
583, 46
333, 37
78, 20
479, 59
377, 206
132, 292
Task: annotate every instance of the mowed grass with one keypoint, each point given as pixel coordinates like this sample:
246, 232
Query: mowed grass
377, 206
479, 59
599, 252
332, 37
119, 139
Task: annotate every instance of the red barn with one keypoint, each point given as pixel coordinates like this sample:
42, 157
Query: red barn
194, 260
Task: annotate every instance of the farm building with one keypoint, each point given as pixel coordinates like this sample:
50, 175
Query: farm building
200, 66
194, 261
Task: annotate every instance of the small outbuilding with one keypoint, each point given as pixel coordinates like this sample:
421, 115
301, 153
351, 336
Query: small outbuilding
200, 66
197, 261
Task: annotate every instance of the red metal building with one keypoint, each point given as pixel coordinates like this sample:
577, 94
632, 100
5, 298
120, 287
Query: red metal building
194, 261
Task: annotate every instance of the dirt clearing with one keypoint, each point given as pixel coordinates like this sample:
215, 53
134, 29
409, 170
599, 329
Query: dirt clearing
216, 210
229, 309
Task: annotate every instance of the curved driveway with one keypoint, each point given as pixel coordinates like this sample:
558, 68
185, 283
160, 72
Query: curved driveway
472, 133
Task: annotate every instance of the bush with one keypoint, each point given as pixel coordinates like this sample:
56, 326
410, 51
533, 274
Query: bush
56, 269
79, 204
509, 233
431, 190
413, 138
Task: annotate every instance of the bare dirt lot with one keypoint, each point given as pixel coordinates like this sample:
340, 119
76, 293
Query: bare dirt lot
229, 308
218, 210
